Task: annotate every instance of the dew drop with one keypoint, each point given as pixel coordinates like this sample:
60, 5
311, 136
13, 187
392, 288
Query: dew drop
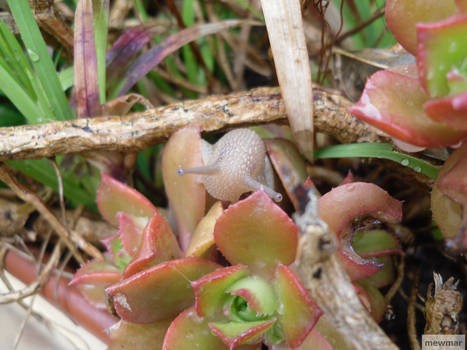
405, 162
417, 169
33, 56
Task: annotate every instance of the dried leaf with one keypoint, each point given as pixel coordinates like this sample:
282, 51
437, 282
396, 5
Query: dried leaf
85, 62
287, 39
151, 58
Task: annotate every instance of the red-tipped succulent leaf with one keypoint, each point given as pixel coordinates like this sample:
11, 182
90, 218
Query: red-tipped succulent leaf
159, 292
442, 48
298, 312
130, 230
403, 15
186, 195
394, 103
188, 331
158, 244
238, 333
210, 290
257, 233
93, 277
128, 336
366, 200
114, 197
449, 198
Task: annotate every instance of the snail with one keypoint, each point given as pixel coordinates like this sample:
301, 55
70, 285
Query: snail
236, 164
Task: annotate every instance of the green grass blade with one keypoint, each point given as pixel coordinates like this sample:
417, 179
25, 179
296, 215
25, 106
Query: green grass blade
101, 20
40, 58
12, 50
42, 171
18, 96
66, 78
377, 150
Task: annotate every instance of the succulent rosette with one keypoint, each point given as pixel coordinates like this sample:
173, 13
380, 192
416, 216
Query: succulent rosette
257, 299
426, 104
144, 274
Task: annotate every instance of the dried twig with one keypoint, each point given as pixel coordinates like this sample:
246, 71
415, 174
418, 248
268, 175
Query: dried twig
397, 283
38, 283
411, 317
328, 283
68, 238
442, 309
140, 130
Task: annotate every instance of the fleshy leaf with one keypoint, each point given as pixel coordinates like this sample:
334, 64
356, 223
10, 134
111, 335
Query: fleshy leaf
450, 110
188, 331
297, 313
186, 196
403, 15
158, 244
159, 292
114, 246
461, 5
449, 197
375, 243
130, 230
114, 197
210, 290
257, 233
93, 277
385, 276
367, 200
442, 47
203, 238
257, 293
356, 266
376, 299
346, 202
314, 340
394, 103
289, 165
238, 333
130, 336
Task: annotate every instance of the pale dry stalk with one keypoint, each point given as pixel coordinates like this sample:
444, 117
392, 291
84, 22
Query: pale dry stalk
329, 285
287, 39
70, 238
34, 287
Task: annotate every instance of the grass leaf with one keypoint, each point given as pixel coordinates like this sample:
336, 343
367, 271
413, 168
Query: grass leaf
378, 150
40, 59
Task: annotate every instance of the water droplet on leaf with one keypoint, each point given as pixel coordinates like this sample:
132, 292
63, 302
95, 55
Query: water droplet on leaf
33, 56
405, 162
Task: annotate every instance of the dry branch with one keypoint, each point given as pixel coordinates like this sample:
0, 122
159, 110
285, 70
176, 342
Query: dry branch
139, 130
71, 238
329, 285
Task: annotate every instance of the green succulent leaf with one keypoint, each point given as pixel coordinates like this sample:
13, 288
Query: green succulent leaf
258, 294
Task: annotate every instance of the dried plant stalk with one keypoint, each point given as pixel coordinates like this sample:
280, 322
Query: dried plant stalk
139, 130
35, 286
329, 285
70, 238
442, 309
287, 38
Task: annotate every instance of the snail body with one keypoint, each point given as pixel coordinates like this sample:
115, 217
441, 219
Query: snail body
236, 164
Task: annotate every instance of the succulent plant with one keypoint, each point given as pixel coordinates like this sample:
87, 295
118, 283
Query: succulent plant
425, 105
